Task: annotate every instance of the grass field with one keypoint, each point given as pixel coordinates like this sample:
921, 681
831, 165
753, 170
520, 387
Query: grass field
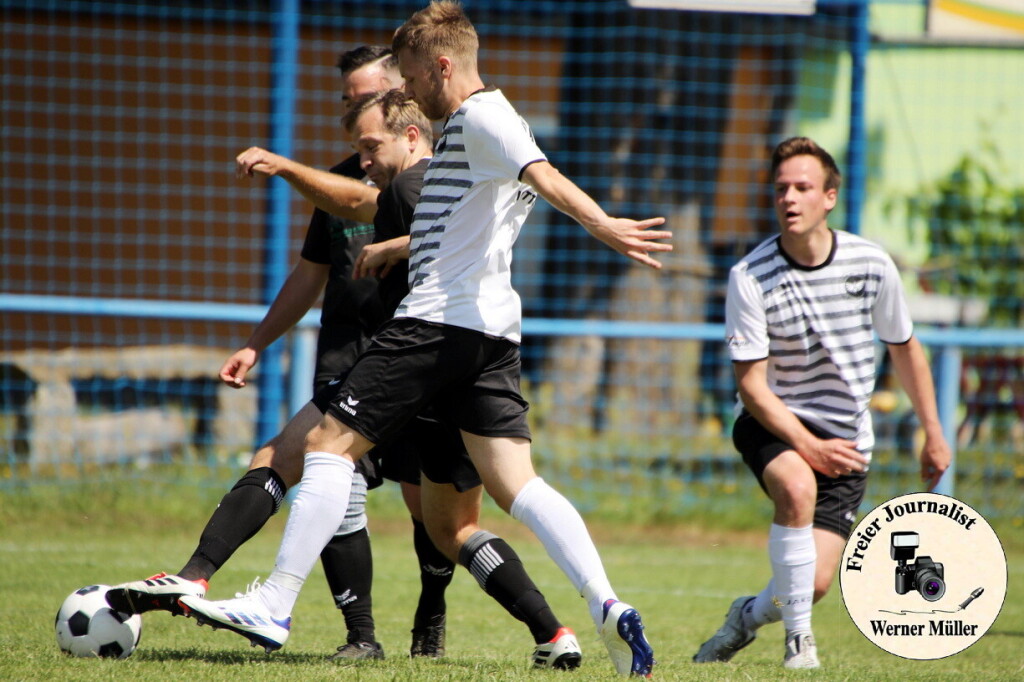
681, 577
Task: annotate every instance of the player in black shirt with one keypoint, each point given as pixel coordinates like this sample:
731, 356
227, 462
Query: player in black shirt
352, 310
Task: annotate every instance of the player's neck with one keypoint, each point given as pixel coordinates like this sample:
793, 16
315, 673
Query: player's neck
421, 152
462, 88
809, 249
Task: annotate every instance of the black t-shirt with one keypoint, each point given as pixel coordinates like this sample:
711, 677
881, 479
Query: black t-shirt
337, 242
395, 208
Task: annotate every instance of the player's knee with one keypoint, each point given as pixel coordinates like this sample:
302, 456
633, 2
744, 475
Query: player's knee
285, 461
267, 479
795, 500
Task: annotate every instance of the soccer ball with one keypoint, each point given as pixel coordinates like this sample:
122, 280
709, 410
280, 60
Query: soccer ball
87, 626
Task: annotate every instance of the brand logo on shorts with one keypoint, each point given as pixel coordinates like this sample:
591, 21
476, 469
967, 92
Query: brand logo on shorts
349, 404
334, 382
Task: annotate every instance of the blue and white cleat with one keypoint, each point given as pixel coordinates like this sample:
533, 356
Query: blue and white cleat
244, 615
623, 635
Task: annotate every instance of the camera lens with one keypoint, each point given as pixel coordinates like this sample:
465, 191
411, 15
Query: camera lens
930, 585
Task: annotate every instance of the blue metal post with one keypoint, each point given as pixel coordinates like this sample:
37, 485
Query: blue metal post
856, 155
302, 369
275, 259
947, 389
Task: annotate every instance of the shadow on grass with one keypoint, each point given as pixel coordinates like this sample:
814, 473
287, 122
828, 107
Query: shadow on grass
1004, 633
227, 657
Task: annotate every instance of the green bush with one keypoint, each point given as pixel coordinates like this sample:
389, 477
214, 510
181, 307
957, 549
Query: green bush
974, 222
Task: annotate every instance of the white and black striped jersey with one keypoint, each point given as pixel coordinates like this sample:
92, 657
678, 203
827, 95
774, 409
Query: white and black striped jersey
816, 326
467, 218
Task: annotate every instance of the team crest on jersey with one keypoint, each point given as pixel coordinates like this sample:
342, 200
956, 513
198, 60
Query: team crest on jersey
855, 285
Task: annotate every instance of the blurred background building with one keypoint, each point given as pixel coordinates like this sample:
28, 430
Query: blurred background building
132, 261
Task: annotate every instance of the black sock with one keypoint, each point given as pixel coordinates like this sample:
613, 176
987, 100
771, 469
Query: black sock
241, 513
499, 571
348, 564
436, 572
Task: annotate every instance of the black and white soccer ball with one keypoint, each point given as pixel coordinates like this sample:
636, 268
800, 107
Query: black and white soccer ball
87, 627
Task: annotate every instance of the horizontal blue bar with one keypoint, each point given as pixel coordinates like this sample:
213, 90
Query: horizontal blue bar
133, 307
966, 337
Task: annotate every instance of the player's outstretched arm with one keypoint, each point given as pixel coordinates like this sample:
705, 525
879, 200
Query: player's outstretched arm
338, 195
911, 366
632, 238
833, 457
297, 296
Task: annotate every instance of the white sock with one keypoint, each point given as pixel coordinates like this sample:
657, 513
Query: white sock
793, 557
763, 609
317, 511
561, 530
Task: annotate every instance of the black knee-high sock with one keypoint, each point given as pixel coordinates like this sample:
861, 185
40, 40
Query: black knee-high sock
500, 572
436, 572
241, 513
348, 564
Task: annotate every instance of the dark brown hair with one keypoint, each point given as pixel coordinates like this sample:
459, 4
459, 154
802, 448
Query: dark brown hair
805, 146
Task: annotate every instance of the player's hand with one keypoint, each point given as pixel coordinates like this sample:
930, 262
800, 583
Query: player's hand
237, 366
635, 239
935, 459
379, 258
836, 457
258, 161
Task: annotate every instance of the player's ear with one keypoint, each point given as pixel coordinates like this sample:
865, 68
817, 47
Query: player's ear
444, 64
831, 198
412, 135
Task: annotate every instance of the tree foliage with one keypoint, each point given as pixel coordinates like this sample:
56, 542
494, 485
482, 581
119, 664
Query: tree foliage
974, 223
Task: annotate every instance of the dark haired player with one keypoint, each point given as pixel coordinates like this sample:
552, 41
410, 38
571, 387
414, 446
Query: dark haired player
801, 313
352, 310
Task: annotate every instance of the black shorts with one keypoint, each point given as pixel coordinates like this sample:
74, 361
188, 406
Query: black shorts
424, 442
337, 348
838, 498
470, 379
430, 446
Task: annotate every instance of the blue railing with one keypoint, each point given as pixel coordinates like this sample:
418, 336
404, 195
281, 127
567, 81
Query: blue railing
946, 342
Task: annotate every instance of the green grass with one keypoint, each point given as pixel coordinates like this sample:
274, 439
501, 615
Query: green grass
682, 578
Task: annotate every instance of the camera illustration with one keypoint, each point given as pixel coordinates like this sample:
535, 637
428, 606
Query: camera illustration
923, 575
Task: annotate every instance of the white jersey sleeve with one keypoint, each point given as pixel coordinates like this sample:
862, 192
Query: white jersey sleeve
746, 327
890, 314
499, 143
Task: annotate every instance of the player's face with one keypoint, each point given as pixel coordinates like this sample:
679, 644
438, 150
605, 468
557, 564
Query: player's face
364, 81
423, 84
381, 155
802, 203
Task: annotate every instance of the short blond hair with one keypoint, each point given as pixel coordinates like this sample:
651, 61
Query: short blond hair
396, 109
441, 28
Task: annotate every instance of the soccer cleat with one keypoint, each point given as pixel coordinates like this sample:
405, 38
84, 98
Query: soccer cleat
428, 642
561, 653
730, 638
623, 635
160, 592
801, 651
244, 615
358, 651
